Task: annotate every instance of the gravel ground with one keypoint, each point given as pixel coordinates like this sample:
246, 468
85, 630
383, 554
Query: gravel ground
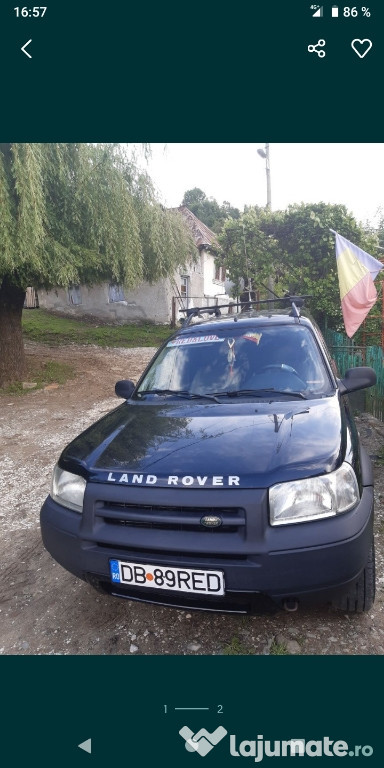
45, 610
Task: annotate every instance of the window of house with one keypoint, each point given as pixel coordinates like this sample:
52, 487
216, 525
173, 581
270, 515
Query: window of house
115, 292
184, 287
220, 273
198, 265
74, 295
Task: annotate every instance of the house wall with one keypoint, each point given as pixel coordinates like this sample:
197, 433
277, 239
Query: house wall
152, 303
195, 275
146, 303
202, 282
203, 288
212, 287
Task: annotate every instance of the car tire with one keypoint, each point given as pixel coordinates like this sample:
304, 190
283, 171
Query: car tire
361, 596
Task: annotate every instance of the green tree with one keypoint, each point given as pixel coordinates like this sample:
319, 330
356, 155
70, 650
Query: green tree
76, 213
309, 260
248, 251
298, 249
208, 210
380, 230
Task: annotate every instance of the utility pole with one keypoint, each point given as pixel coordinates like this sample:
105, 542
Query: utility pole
264, 153
268, 172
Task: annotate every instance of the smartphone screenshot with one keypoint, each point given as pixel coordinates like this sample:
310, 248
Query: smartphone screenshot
191, 383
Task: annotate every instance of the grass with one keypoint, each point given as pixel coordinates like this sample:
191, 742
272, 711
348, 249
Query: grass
278, 649
236, 648
47, 328
50, 372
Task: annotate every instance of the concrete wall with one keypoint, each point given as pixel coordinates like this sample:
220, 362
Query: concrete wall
146, 303
152, 303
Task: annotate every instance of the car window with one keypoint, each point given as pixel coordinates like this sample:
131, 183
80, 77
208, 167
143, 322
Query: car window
273, 356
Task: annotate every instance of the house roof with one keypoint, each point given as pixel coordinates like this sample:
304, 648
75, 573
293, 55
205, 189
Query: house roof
202, 235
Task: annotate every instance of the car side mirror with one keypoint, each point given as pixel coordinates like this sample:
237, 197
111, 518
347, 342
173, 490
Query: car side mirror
124, 388
357, 378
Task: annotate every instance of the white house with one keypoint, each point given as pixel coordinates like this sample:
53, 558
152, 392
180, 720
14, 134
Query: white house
201, 283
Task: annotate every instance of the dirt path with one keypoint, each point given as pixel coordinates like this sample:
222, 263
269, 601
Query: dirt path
45, 610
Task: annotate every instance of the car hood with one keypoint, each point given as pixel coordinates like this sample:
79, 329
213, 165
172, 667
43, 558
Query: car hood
247, 445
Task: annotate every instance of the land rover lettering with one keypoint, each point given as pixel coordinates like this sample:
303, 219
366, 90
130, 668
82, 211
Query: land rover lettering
186, 480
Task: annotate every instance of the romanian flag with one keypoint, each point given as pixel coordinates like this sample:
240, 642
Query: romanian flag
357, 271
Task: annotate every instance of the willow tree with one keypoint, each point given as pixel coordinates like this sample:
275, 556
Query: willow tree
71, 214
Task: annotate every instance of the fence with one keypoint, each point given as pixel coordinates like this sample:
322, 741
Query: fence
186, 302
349, 354
31, 300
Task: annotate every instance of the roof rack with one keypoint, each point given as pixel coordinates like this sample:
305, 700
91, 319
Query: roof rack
294, 301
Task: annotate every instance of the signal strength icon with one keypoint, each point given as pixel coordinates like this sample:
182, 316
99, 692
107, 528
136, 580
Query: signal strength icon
319, 11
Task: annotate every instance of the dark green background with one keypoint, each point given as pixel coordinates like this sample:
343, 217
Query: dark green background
162, 73
50, 705
203, 71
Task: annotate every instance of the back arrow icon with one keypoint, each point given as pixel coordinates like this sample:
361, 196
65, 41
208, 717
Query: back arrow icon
24, 47
86, 746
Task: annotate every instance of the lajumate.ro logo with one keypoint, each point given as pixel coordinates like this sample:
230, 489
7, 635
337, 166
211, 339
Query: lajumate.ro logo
203, 742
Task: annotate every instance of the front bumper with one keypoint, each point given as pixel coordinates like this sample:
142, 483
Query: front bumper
305, 561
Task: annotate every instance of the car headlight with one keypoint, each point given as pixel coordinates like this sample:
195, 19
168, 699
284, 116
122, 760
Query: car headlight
68, 489
302, 500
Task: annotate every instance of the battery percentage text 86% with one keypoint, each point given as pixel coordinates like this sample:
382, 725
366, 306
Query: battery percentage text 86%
347, 11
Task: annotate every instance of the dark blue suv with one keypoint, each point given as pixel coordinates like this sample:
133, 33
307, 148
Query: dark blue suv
231, 476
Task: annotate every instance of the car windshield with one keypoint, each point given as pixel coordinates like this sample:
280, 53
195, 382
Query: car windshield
247, 361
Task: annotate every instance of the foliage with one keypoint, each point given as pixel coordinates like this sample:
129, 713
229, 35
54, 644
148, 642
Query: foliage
309, 253
278, 649
166, 243
82, 213
248, 251
46, 328
208, 210
380, 229
236, 648
297, 248
73, 214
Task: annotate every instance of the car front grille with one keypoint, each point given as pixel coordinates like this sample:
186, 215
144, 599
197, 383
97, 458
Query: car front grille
169, 518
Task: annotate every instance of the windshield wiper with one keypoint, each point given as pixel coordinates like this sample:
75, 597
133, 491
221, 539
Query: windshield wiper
194, 395
259, 392
179, 393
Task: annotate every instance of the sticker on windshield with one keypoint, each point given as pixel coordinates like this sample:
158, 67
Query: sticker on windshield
255, 337
182, 341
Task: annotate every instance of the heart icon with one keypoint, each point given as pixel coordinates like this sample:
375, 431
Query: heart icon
361, 47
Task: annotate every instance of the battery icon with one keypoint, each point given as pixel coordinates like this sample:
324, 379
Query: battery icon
335, 11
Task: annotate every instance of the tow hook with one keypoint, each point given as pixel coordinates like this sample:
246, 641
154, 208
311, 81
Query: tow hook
290, 605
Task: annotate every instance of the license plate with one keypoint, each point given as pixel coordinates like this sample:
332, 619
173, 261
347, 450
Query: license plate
190, 580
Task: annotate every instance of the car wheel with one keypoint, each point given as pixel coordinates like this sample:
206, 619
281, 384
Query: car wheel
361, 596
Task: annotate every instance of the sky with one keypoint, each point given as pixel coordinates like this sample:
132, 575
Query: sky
352, 174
